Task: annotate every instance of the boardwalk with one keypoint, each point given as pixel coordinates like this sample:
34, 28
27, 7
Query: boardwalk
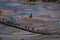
26, 28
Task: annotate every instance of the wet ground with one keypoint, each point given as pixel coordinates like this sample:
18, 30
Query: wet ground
45, 10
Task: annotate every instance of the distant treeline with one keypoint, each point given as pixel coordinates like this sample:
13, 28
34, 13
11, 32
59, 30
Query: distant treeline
44, 0
32, 0
49, 0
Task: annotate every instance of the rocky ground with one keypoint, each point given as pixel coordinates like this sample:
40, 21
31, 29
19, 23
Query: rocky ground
41, 18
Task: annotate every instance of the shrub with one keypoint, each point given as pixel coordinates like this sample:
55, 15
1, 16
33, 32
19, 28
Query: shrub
30, 15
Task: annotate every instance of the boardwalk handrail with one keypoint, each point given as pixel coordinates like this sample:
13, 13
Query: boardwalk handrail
32, 31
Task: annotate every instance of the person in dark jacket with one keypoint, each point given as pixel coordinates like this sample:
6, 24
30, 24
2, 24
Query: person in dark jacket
32, 28
25, 26
22, 39
38, 30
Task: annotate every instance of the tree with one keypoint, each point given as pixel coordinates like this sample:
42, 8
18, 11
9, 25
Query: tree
11, 18
30, 15
52, 0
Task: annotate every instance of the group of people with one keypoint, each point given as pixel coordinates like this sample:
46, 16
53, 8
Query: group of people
15, 24
7, 21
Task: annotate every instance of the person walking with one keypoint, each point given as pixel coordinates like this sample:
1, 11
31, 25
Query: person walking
32, 28
26, 27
